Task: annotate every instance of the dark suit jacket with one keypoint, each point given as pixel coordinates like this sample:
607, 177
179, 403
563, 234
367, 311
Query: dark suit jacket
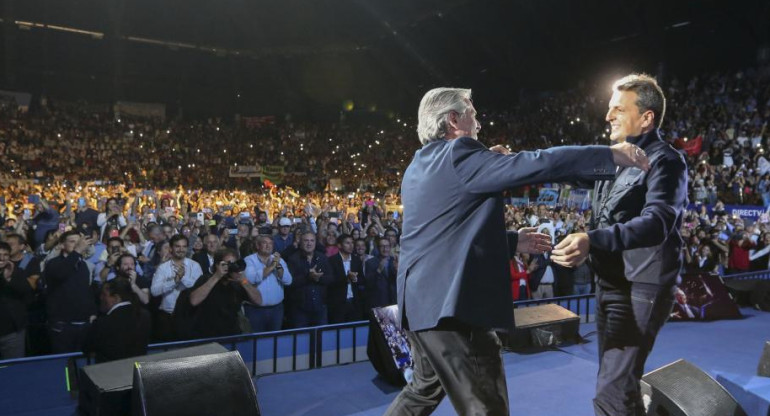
454, 250
337, 292
380, 287
637, 219
14, 297
304, 293
202, 258
121, 334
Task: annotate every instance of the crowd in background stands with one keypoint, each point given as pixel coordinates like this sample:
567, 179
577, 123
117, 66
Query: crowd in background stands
142, 216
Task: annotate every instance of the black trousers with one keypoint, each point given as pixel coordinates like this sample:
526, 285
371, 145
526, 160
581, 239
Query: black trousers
627, 321
67, 337
458, 361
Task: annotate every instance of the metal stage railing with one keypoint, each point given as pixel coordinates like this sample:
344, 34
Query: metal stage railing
307, 347
757, 275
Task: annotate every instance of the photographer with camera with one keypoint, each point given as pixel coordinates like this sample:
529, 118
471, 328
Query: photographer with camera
210, 308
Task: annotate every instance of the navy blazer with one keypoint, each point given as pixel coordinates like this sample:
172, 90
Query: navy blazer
454, 247
380, 287
338, 289
304, 293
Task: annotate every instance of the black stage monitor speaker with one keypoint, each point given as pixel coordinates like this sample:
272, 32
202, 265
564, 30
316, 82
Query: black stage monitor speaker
388, 348
105, 389
543, 326
764, 362
682, 389
214, 384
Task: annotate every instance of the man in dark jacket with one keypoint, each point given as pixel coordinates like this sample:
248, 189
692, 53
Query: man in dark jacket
124, 331
311, 275
15, 292
635, 245
70, 301
380, 278
346, 294
453, 276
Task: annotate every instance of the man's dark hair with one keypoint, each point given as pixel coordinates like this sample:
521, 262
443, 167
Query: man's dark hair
391, 229
107, 204
341, 239
118, 239
66, 235
222, 253
19, 238
124, 255
176, 238
119, 286
650, 95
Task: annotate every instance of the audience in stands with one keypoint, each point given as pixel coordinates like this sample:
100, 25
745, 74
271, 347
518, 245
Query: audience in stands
149, 203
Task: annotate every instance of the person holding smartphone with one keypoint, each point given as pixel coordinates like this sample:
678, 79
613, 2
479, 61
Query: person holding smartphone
112, 215
86, 218
46, 219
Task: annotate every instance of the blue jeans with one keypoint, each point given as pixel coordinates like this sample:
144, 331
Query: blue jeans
582, 289
627, 322
301, 318
12, 345
264, 318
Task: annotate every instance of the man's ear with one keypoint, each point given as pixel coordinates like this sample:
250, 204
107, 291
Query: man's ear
453, 116
648, 119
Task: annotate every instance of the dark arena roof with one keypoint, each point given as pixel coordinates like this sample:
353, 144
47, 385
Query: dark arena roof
313, 58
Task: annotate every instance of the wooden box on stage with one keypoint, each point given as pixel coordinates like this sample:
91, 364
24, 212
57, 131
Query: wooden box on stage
543, 326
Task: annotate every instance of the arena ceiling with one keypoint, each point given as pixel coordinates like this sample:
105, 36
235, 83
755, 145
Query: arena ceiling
311, 57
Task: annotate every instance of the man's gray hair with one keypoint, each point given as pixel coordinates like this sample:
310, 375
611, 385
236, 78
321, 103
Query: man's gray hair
650, 96
433, 115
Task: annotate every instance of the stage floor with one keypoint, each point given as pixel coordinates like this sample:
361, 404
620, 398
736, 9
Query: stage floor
556, 382
550, 383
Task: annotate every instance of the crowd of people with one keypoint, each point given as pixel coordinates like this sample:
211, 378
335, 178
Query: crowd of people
140, 217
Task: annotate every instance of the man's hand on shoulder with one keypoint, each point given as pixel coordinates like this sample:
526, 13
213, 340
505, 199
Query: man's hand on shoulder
500, 149
629, 155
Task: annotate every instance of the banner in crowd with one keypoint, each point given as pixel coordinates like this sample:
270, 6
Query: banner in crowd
752, 213
548, 197
518, 202
763, 165
140, 109
579, 199
257, 121
273, 173
22, 99
247, 171
335, 184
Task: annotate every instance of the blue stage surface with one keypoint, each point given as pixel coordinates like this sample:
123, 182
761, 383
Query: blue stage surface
556, 382
551, 383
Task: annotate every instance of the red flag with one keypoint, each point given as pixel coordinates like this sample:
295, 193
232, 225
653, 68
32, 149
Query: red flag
692, 147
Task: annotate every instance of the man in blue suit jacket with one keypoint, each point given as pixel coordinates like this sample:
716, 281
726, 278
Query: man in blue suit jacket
453, 277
